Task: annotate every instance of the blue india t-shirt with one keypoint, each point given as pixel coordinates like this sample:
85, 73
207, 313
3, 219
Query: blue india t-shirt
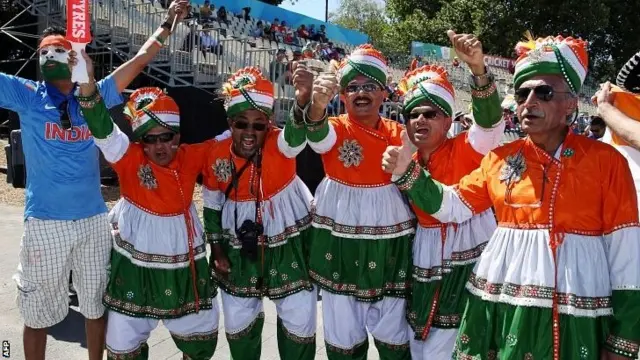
63, 170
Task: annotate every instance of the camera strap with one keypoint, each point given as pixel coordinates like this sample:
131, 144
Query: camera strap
235, 180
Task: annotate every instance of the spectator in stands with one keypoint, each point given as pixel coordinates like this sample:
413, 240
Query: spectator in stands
456, 63
222, 15
207, 12
65, 225
278, 67
268, 32
596, 128
258, 31
209, 43
320, 35
245, 14
303, 33
312, 30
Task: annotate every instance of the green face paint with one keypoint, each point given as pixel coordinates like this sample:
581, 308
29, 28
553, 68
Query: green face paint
53, 70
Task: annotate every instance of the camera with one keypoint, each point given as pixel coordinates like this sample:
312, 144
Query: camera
248, 234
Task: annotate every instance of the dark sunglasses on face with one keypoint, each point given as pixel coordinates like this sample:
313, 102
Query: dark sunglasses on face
243, 125
65, 120
368, 87
162, 138
428, 114
542, 92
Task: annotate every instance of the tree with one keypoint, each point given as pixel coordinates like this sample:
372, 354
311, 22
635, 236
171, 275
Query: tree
608, 25
368, 17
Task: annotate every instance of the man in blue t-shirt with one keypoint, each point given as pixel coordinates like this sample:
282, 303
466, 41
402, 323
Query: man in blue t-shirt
65, 226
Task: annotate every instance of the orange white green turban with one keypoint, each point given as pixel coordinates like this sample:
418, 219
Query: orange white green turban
364, 60
248, 89
566, 57
429, 82
149, 107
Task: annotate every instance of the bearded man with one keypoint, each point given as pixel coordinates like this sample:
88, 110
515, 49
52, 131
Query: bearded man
559, 278
444, 253
65, 225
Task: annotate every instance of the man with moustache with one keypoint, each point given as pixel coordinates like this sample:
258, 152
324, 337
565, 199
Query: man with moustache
559, 278
362, 227
65, 225
159, 269
257, 215
444, 253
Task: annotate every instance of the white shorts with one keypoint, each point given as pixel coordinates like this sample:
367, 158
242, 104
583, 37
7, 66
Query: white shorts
49, 251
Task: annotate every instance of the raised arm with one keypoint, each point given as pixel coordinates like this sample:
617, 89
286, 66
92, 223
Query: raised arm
488, 128
309, 115
128, 71
108, 137
447, 204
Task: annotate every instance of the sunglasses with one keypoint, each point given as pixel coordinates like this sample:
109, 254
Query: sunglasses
368, 87
428, 114
243, 125
162, 138
542, 92
65, 120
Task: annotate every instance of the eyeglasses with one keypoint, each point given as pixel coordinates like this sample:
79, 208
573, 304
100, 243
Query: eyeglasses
542, 92
155, 138
368, 87
429, 114
65, 120
243, 125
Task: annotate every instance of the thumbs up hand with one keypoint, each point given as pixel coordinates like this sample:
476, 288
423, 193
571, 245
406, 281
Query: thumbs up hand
396, 159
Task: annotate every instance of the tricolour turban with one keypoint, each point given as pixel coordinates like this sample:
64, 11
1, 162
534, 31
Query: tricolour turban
628, 78
149, 107
429, 82
248, 89
566, 57
364, 60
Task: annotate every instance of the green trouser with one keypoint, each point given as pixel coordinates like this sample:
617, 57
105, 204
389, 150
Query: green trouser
247, 344
359, 352
193, 349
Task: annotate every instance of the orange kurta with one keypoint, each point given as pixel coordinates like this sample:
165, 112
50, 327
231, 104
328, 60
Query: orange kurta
355, 158
451, 161
277, 170
164, 191
576, 194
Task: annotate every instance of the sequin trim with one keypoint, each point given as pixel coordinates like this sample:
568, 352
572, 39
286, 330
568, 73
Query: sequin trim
155, 258
539, 296
395, 289
212, 335
622, 346
392, 347
295, 338
410, 177
400, 229
335, 349
135, 310
278, 292
247, 330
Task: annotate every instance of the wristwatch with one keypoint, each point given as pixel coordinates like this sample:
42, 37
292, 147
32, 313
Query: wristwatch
475, 79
